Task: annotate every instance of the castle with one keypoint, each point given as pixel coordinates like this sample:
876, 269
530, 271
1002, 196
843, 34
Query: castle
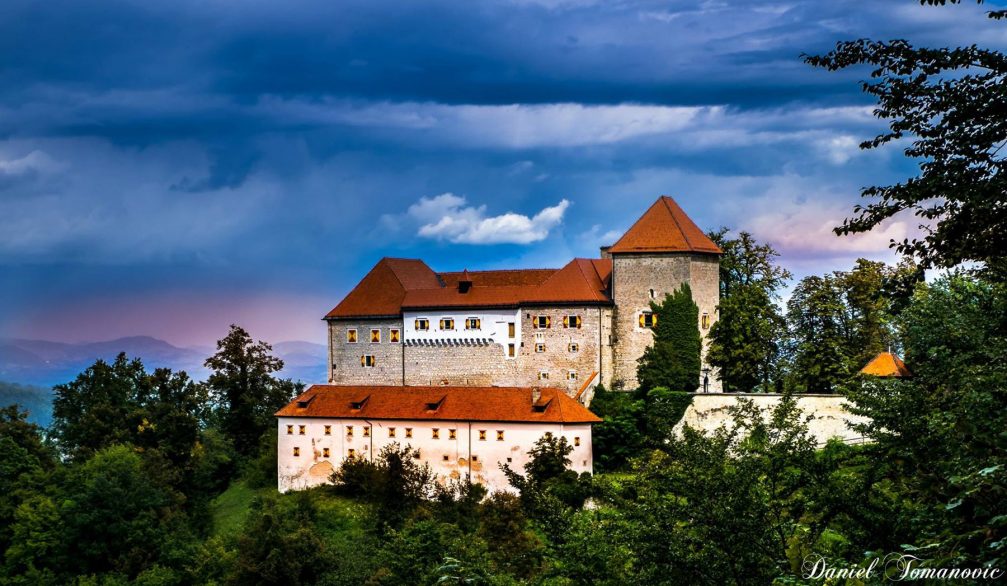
572, 328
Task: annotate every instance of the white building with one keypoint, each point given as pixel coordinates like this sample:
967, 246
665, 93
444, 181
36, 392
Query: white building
459, 431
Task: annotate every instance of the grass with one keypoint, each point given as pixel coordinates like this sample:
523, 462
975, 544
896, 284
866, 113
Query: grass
231, 507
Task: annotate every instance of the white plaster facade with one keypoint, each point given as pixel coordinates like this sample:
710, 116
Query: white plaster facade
449, 458
495, 327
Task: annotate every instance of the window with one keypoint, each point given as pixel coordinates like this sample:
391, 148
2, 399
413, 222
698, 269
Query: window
325, 452
543, 375
375, 336
475, 458
447, 324
409, 432
290, 430
542, 322
500, 435
297, 452
571, 375
391, 432
473, 323
511, 330
328, 430
351, 453
482, 435
576, 440
452, 434
510, 350
301, 429
416, 454
422, 324
509, 460
368, 361
367, 431
653, 294
571, 321
393, 335
574, 347
349, 431
706, 321
648, 319
435, 433
444, 457
351, 336
539, 347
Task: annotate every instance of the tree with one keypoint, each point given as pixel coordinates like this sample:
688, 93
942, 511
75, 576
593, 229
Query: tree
818, 335
950, 103
745, 341
244, 389
673, 360
395, 481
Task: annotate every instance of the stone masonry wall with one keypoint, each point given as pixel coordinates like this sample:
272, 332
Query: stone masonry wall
705, 283
344, 357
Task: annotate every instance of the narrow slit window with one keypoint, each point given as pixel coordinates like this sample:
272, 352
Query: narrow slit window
510, 350
511, 330
706, 321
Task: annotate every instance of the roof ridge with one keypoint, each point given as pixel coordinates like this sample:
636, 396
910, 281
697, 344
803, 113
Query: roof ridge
665, 199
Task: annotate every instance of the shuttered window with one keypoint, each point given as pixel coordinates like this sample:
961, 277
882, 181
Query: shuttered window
542, 322
648, 319
571, 321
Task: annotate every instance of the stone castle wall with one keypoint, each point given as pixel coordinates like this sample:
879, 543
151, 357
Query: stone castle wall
344, 357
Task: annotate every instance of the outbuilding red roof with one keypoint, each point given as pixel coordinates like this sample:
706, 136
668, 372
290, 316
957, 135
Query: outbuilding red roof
511, 404
886, 364
664, 228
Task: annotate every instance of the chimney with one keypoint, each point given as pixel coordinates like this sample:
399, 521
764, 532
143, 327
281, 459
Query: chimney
465, 282
605, 253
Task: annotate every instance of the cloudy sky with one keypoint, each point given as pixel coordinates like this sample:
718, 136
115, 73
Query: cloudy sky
168, 168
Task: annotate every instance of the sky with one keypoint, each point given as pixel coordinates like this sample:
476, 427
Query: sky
169, 168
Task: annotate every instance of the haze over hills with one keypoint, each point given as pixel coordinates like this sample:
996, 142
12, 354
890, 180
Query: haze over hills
40, 364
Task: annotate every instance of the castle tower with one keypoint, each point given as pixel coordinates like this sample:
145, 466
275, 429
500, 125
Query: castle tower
660, 252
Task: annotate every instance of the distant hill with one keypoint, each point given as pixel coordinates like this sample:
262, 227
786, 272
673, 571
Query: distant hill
46, 363
37, 401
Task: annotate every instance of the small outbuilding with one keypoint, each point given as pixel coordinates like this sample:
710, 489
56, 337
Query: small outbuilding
887, 365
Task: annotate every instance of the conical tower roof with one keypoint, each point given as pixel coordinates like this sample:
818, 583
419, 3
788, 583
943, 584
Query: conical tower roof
664, 228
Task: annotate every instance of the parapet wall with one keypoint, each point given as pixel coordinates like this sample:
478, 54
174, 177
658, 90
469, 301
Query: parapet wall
709, 411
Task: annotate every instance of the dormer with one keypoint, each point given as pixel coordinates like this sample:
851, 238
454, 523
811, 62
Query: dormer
433, 406
303, 402
465, 282
357, 405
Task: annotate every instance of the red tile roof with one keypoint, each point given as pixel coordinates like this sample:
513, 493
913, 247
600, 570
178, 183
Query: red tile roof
397, 284
886, 364
511, 404
664, 228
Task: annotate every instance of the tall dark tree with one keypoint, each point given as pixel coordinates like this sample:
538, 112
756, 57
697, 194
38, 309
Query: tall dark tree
244, 389
745, 341
819, 335
673, 360
950, 104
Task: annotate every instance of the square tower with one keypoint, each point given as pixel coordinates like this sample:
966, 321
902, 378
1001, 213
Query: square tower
660, 252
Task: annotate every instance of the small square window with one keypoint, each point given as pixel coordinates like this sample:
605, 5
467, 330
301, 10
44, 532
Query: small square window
416, 455
409, 432
325, 452
473, 323
391, 432
539, 348
475, 458
571, 375
351, 453
297, 452
543, 375
451, 434
368, 361
435, 433
422, 324
509, 460
328, 430
576, 440
444, 457
648, 319
351, 336
393, 336
447, 324
301, 429
375, 336
290, 430
574, 347
349, 431
482, 435
500, 435
367, 432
